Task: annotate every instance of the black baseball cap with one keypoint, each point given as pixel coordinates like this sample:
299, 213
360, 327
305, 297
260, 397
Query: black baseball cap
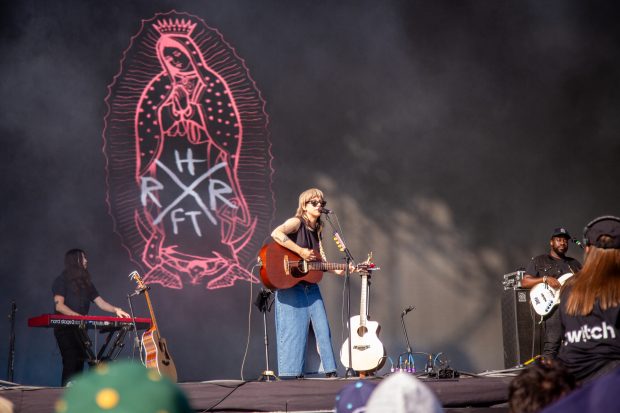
607, 225
560, 232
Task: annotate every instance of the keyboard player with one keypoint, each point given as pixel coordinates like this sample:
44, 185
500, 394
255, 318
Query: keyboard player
73, 292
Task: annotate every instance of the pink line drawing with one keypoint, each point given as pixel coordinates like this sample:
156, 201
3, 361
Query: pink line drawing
188, 160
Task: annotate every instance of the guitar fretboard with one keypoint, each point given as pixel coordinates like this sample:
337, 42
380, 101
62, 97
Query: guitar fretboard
363, 300
325, 266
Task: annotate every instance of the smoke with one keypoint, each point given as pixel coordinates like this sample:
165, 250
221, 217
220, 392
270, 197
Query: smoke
450, 138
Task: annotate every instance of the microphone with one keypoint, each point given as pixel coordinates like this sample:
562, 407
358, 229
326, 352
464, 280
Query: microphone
576, 241
325, 210
406, 310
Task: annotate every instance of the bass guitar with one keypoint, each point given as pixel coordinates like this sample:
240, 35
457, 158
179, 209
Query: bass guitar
543, 298
155, 348
367, 351
282, 268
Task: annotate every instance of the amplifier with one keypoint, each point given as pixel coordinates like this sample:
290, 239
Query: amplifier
520, 328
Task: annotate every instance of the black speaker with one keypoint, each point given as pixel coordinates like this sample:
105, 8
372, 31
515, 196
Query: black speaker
521, 330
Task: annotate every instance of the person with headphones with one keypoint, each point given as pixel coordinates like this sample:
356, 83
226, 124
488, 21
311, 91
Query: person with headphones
590, 305
547, 268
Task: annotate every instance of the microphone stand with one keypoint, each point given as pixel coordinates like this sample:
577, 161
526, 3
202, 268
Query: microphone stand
408, 352
136, 341
347, 285
263, 302
11, 359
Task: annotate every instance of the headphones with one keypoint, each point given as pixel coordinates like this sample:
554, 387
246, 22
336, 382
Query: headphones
589, 225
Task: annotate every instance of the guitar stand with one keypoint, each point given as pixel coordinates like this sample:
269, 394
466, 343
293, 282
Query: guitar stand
264, 304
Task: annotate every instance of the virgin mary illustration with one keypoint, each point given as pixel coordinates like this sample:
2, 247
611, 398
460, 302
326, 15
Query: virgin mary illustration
194, 217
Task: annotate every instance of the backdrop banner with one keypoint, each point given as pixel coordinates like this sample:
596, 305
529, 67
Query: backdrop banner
188, 160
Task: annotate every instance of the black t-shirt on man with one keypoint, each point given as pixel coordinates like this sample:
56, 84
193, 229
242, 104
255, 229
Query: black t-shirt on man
77, 299
552, 267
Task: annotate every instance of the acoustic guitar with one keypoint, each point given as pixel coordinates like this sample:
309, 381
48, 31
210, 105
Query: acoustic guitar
155, 347
282, 268
367, 351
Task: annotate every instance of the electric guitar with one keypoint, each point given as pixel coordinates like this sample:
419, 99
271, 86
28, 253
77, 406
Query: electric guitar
282, 268
155, 347
367, 351
544, 298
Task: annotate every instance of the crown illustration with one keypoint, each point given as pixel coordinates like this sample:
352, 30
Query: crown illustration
175, 27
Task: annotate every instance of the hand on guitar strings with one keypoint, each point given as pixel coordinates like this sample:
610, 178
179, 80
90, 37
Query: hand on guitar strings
307, 254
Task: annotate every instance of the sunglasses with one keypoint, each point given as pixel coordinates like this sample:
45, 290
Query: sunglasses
317, 203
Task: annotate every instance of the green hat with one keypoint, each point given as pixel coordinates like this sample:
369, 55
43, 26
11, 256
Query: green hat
123, 387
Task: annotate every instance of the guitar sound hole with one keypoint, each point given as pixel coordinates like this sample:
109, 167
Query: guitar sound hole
361, 330
300, 269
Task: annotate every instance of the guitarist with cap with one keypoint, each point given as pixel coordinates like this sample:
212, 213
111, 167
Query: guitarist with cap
547, 268
300, 308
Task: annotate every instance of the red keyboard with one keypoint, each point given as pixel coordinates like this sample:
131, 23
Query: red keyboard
90, 321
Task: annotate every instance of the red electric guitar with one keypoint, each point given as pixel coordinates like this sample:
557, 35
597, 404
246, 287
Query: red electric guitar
155, 347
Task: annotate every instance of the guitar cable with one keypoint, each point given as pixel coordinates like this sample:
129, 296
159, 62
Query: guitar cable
247, 342
210, 408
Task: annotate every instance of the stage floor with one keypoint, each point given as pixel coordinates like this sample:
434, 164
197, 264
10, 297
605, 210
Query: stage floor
470, 394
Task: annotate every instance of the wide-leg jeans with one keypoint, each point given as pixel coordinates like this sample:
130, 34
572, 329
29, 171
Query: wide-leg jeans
297, 308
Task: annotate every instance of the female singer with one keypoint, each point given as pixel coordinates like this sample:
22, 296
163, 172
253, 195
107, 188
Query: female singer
300, 307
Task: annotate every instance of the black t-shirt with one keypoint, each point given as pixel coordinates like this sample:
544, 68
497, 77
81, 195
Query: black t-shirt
589, 341
547, 265
306, 238
77, 299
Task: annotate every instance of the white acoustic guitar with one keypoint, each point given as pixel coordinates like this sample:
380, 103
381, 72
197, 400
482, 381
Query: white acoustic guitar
367, 351
544, 298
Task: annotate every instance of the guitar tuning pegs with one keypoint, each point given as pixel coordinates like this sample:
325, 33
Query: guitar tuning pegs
338, 243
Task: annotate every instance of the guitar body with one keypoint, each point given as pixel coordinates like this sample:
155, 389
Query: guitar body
157, 355
543, 298
367, 351
282, 268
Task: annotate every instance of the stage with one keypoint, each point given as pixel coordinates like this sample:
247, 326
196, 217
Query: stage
468, 393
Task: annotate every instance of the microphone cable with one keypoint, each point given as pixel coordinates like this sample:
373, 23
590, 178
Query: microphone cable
247, 342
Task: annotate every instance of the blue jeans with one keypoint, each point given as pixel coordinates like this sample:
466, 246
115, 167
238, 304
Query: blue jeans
296, 308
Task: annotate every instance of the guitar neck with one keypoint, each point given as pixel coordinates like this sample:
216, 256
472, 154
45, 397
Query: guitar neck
363, 300
325, 266
148, 303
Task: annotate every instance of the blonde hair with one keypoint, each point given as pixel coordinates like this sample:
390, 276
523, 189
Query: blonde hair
598, 280
304, 198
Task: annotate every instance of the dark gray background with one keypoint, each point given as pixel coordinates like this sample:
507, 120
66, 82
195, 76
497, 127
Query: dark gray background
450, 138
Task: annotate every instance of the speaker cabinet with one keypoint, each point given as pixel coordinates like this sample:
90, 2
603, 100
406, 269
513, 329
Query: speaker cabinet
520, 329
